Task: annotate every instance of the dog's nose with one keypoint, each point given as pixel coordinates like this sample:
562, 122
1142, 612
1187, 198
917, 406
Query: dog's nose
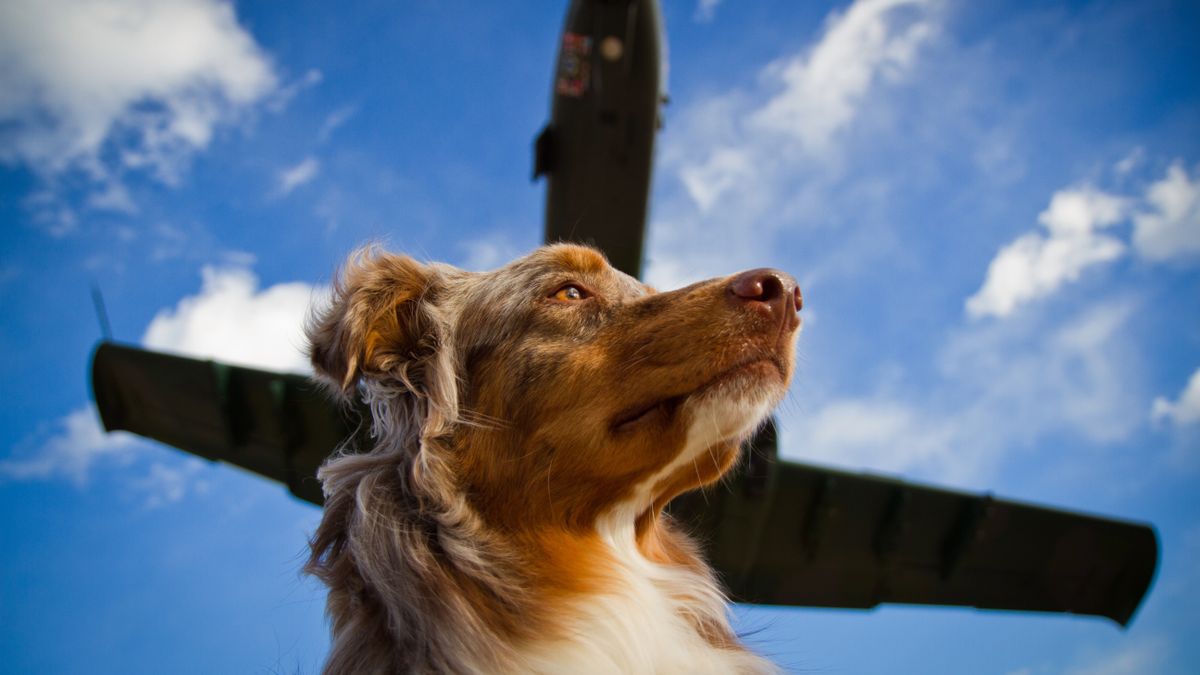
777, 291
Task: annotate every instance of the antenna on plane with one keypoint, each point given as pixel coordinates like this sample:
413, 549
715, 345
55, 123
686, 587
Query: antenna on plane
101, 313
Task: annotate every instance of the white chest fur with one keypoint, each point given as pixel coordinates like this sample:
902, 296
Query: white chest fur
641, 624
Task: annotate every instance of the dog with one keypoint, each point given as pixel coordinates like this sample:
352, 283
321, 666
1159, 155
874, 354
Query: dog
529, 424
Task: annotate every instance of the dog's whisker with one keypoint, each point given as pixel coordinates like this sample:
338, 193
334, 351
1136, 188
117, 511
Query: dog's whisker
483, 420
549, 491
700, 481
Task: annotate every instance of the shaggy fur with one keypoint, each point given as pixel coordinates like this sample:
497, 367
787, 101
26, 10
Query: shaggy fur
529, 426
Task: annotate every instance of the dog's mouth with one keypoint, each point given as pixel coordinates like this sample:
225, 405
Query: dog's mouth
663, 410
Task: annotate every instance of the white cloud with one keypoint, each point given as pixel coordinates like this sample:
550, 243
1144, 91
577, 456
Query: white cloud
823, 89
725, 169
1166, 224
487, 253
104, 87
1171, 228
229, 319
1051, 373
335, 120
1001, 387
165, 484
1037, 265
879, 433
808, 99
112, 196
283, 95
669, 272
1144, 656
299, 174
232, 320
1184, 410
755, 159
1128, 163
706, 10
1080, 212
77, 445
235, 258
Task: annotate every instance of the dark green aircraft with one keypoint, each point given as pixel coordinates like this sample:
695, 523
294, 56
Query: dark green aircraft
780, 532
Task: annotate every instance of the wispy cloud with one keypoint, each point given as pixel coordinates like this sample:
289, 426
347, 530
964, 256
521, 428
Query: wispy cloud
165, 484
1166, 225
334, 121
283, 95
1073, 371
487, 253
1133, 657
880, 432
808, 99
97, 89
230, 319
1000, 388
1131, 161
1184, 410
294, 176
1130, 656
1036, 264
71, 451
755, 157
1170, 225
706, 10
77, 447
873, 41
112, 196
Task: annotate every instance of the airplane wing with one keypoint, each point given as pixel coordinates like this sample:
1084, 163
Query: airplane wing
780, 533
279, 426
785, 533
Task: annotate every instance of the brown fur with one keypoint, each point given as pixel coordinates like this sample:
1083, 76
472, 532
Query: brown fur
508, 422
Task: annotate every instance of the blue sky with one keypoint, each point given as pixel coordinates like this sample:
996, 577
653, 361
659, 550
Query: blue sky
994, 212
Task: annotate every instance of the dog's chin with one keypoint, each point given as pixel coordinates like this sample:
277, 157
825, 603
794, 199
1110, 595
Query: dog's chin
733, 402
733, 406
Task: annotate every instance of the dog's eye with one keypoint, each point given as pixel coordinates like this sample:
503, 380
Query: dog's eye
569, 293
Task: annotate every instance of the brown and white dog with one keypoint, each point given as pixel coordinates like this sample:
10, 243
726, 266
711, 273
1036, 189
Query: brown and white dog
530, 424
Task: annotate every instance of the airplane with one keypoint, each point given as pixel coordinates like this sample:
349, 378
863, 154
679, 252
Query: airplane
779, 532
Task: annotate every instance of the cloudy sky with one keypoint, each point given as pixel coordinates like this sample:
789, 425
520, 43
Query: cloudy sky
994, 214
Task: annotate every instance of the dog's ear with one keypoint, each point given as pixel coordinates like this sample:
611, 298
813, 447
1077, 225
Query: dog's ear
379, 322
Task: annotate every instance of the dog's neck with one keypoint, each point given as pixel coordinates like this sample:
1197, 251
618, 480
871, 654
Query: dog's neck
412, 589
630, 595
424, 577
660, 611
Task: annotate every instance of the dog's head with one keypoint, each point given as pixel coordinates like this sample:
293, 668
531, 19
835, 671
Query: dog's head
557, 389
